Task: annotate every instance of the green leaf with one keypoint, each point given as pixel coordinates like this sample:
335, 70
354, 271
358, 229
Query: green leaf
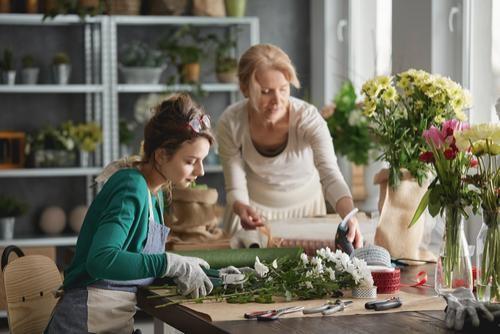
434, 202
421, 208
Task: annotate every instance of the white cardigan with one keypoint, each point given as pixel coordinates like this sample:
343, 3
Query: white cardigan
309, 150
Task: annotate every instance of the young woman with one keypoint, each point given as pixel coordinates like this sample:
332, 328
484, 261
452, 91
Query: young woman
122, 241
276, 150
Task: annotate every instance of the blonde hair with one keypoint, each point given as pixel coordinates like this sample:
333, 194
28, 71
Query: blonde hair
263, 56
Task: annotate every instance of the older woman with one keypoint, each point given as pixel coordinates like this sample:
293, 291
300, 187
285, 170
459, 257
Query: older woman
276, 150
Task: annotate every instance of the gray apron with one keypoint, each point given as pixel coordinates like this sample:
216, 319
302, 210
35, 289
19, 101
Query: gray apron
107, 306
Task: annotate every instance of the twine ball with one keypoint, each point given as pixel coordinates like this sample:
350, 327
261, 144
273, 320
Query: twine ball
53, 220
76, 217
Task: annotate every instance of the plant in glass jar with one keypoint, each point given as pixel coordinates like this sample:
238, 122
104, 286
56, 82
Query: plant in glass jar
449, 195
483, 140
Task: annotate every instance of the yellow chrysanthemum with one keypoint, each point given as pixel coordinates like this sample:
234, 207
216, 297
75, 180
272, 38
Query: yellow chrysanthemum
369, 107
389, 95
384, 81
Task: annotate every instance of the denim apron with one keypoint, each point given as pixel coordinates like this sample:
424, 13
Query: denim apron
107, 306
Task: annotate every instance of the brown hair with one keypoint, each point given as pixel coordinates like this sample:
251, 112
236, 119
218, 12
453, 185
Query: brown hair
169, 127
263, 56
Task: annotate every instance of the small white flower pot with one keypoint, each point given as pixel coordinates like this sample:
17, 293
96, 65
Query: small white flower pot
141, 75
9, 77
29, 75
61, 73
7, 228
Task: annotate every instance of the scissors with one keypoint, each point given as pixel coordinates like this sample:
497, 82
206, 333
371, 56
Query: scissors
272, 314
329, 307
381, 305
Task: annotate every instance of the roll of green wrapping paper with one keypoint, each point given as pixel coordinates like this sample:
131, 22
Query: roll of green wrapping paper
220, 258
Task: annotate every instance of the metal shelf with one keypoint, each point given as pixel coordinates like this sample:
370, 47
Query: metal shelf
49, 172
40, 241
182, 20
210, 87
37, 19
212, 168
34, 89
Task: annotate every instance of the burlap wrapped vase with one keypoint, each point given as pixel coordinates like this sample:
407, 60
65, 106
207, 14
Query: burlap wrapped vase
397, 207
194, 215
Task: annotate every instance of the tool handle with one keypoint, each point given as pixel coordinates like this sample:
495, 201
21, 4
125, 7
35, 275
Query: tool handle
341, 241
333, 309
253, 315
387, 305
315, 309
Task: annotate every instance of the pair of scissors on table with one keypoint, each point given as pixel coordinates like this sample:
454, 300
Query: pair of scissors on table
272, 314
329, 307
382, 305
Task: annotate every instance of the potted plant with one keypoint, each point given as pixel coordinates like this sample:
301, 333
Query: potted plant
52, 147
29, 74
125, 135
236, 7
61, 68
7, 67
141, 64
89, 7
10, 208
87, 136
184, 47
226, 65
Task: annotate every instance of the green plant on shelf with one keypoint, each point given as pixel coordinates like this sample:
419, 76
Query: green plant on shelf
60, 58
139, 54
86, 135
7, 61
28, 61
11, 207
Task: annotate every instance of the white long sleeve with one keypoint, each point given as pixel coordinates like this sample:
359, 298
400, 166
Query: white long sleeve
309, 150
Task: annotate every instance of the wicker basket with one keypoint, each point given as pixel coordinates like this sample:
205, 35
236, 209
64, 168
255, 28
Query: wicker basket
124, 7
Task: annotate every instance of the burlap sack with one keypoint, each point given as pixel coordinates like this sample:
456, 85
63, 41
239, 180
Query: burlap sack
194, 215
397, 207
209, 8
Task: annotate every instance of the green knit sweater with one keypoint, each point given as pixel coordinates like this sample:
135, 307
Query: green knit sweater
114, 233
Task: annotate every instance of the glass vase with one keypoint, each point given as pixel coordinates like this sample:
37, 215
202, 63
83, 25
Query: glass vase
453, 268
488, 258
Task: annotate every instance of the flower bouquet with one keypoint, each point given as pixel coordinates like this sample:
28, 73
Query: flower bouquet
449, 195
323, 275
483, 141
401, 108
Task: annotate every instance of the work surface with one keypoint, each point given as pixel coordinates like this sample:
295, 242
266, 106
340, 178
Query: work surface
189, 321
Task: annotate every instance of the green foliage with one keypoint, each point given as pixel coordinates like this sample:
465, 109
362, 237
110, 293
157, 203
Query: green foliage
139, 54
28, 61
183, 45
10, 207
63, 7
125, 131
349, 127
224, 52
51, 138
86, 135
7, 61
60, 58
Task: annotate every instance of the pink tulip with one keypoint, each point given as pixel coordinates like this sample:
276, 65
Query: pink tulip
433, 137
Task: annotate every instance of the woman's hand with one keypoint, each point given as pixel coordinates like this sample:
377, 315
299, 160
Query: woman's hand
354, 234
250, 219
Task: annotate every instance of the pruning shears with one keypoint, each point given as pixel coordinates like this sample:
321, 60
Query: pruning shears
272, 314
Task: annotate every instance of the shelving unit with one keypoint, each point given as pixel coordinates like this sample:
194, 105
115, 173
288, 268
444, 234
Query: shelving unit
101, 89
161, 21
92, 83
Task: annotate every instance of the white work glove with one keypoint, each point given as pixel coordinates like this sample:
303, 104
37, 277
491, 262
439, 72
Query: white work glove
188, 275
462, 303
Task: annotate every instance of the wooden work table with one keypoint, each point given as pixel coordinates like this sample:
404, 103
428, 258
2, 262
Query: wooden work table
188, 321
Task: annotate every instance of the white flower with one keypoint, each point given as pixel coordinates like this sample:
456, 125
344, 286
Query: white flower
275, 264
331, 273
260, 268
304, 258
309, 285
144, 107
309, 273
